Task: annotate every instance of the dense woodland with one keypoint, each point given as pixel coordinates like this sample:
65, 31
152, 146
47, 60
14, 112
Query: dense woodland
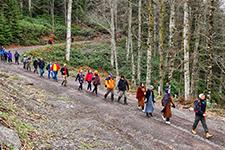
151, 41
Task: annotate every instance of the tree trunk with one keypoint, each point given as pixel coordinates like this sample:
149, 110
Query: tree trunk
113, 38
139, 41
156, 28
132, 62
150, 42
65, 11
186, 53
129, 29
170, 65
53, 15
29, 7
210, 49
161, 44
21, 5
68, 37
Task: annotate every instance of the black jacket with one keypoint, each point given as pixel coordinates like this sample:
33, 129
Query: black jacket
123, 85
41, 64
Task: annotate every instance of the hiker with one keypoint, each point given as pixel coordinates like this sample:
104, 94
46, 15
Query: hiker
167, 101
149, 103
16, 55
109, 84
96, 82
48, 68
28, 63
65, 73
5, 55
80, 78
140, 95
55, 68
35, 64
88, 79
9, 55
123, 87
24, 60
200, 115
41, 65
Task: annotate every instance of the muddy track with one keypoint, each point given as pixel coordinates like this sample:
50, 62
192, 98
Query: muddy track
122, 127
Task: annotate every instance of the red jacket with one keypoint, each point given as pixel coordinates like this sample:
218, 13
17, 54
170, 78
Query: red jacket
89, 77
55, 67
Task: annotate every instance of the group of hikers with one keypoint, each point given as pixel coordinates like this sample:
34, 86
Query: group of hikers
7, 56
145, 96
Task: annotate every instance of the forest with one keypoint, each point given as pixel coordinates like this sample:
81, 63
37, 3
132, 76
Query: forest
180, 42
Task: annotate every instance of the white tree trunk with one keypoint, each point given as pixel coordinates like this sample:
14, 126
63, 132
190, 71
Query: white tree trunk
139, 41
113, 38
171, 40
186, 53
129, 29
68, 37
29, 7
150, 42
53, 15
132, 62
161, 45
65, 11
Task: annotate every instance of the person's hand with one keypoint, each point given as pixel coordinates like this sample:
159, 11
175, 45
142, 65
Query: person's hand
204, 114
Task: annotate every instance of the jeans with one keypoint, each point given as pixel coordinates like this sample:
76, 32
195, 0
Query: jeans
89, 86
202, 119
55, 73
49, 74
41, 72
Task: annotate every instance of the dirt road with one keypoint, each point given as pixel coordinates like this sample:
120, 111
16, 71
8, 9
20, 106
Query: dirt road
80, 120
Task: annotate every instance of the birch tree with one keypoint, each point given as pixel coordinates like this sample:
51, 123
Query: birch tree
29, 7
161, 44
53, 14
139, 41
186, 52
113, 38
129, 29
150, 41
68, 37
171, 39
210, 49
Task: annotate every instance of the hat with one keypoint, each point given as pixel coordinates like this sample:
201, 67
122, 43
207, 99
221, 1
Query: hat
64, 64
201, 95
96, 72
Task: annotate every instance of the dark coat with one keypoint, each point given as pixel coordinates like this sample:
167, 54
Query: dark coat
41, 64
199, 107
123, 85
64, 71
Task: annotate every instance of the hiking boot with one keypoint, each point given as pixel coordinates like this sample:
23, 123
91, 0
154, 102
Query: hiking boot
125, 101
168, 122
207, 135
193, 132
151, 114
118, 99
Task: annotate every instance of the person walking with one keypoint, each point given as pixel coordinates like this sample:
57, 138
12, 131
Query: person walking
110, 85
48, 68
140, 95
167, 102
16, 56
55, 68
80, 78
96, 82
123, 87
88, 79
9, 55
149, 103
41, 65
65, 73
200, 115
35, 65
